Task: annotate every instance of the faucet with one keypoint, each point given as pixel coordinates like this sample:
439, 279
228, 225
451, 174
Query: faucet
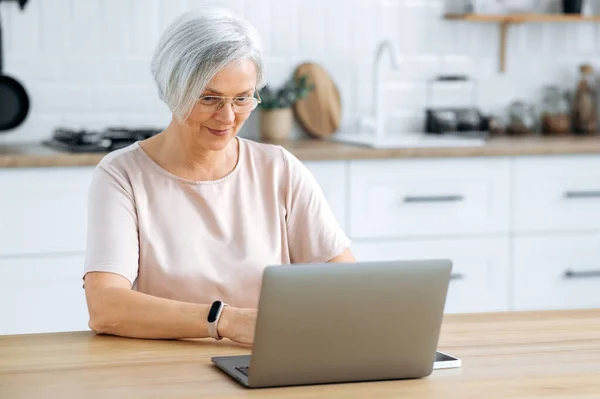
376, 120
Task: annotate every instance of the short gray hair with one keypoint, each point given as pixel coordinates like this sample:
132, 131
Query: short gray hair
194, 48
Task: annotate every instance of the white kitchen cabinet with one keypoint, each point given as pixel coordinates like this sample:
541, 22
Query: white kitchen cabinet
43, 210
556, 193
332, 177
522, 232
42, 294
557, 272
429, 197
480, 274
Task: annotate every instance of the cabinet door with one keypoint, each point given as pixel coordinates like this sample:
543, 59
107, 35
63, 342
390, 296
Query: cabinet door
332, 178
431, 197
557, 193
558, 272
43, 210
42, 294
480, 272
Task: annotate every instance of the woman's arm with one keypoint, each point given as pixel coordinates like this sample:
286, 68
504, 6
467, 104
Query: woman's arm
344, 257
115, 309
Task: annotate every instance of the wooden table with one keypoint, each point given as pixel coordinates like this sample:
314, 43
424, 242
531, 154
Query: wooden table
507, 355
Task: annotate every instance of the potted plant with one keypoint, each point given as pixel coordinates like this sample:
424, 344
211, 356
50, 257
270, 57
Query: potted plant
276, 114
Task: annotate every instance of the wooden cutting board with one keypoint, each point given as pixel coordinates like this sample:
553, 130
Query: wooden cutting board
320, 112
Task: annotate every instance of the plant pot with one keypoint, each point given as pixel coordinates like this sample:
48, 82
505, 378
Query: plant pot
276, 124
572, 6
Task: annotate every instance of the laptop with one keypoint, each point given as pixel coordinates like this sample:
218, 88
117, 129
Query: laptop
346, 322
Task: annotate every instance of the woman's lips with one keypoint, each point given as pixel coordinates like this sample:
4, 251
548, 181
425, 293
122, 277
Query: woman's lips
219, 133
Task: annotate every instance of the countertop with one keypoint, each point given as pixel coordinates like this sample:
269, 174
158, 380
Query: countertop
505, 355
37, 155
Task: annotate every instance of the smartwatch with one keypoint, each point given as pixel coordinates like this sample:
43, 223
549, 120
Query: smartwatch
213, 318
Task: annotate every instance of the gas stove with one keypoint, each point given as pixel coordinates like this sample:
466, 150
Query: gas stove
107, 140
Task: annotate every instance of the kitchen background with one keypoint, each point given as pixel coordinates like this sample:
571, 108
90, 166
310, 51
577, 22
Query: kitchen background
85, 63
519, 218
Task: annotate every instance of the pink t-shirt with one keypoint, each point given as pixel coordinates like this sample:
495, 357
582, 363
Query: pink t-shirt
200, 241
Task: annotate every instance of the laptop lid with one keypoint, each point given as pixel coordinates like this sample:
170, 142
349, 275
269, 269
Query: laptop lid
324, 323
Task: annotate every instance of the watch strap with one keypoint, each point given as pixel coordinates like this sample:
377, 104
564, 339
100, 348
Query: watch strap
214, 314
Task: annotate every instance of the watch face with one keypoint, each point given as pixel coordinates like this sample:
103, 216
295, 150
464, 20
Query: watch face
214, 311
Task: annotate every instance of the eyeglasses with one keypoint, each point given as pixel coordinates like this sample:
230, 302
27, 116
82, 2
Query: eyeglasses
239, 105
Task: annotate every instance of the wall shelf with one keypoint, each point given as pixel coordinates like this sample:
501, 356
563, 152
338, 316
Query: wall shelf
505, 20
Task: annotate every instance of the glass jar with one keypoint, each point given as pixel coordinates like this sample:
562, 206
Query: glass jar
556, 111
522, 119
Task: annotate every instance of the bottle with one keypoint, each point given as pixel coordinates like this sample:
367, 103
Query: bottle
584, 103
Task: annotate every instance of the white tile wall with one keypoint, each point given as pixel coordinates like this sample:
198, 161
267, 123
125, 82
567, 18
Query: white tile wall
85, 63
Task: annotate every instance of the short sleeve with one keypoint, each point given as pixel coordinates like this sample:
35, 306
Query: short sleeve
314, 235
112, 229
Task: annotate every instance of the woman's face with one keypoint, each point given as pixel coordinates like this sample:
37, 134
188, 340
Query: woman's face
213, 130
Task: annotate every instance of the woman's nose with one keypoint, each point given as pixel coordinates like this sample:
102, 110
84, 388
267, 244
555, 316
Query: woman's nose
225, 114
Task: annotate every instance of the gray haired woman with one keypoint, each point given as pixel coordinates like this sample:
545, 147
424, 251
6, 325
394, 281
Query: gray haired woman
186, 221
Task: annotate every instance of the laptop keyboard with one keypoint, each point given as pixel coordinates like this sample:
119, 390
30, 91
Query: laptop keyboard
243, 370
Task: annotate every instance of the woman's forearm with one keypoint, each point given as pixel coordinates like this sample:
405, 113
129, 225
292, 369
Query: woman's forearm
123, 312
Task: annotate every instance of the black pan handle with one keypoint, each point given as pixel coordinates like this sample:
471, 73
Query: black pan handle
22, 3
456, 276
1, 48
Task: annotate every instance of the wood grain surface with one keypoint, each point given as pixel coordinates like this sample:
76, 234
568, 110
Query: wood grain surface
526, 355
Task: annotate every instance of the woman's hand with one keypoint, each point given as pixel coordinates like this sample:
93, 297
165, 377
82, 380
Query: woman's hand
237, 324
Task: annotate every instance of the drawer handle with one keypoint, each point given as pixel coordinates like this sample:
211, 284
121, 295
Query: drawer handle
582, 194
456, 276
439, 198
584, 274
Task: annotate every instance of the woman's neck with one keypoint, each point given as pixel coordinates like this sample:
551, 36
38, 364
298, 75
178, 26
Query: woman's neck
175, 152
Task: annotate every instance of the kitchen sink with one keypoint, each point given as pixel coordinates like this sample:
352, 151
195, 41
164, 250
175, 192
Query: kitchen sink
408, 140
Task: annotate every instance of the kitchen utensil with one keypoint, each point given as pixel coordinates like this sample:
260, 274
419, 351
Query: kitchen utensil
320, 112
14, 101
450, 119
572, 6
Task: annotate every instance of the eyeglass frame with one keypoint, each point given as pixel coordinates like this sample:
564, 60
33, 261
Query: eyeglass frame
230, 100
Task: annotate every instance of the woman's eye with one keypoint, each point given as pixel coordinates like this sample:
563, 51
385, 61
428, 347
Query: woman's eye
242, 100
209, 99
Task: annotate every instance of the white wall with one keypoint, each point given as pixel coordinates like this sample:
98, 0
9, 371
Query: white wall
85, 63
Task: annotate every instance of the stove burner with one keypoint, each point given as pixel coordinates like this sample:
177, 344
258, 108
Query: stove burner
110, 139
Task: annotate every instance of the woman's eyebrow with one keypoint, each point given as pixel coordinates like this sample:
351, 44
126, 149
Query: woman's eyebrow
218, 93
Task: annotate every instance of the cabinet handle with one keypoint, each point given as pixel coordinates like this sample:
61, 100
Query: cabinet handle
582, 194
583, 274
434, 198
456, 276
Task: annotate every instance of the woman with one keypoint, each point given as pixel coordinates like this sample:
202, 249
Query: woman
194, 214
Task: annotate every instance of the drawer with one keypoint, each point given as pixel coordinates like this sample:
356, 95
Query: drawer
432, 197
557, 193
42, 294
332, 177
43, 210
480, 272
559, 272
